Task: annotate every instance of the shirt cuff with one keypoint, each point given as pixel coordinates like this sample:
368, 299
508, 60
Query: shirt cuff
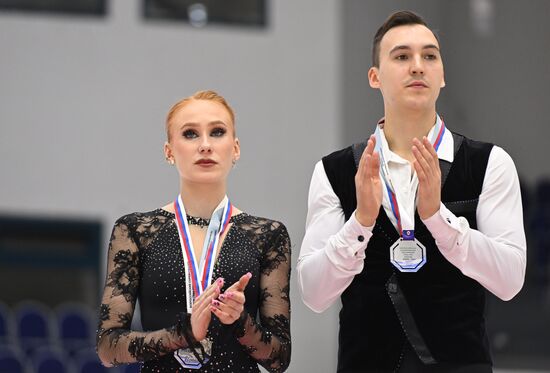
446, 228
349, 244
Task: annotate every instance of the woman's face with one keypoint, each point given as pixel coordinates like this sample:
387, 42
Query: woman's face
202, 142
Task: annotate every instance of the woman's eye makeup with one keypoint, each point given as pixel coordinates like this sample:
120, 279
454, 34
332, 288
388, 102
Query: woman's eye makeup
218, 132
189, 134
214, 132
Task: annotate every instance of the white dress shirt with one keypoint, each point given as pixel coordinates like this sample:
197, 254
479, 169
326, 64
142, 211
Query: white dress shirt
333, 250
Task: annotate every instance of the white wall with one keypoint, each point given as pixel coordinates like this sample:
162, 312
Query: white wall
82, 111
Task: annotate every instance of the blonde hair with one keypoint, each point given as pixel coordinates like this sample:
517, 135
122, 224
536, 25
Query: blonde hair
207, 95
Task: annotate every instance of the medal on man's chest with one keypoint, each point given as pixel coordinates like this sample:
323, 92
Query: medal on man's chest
408, 255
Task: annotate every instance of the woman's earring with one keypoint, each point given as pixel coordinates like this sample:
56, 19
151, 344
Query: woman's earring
170, 161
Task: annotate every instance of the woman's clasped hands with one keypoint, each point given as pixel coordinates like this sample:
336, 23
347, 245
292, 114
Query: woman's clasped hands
230, 305
227, 306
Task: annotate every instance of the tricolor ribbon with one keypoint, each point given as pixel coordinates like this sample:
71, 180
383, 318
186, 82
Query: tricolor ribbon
196, 283
408, 222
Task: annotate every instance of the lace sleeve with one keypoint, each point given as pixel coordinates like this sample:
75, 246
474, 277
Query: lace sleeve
268, 341
116, 343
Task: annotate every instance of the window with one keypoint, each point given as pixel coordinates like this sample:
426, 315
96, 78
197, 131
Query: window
49, 260
77, 7
203, 12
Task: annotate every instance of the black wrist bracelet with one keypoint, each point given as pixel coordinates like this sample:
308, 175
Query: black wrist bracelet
239, 324
184, 329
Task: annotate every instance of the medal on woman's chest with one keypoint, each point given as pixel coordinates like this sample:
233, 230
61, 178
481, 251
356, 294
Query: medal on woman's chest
194, 359
198, 274
407, 254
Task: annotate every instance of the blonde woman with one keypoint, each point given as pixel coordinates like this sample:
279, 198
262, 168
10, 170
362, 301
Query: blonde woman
212, 281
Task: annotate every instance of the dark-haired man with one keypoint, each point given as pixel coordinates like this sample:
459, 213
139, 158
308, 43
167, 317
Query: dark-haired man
411, 227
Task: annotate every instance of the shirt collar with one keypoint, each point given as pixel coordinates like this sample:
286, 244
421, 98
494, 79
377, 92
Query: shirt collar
445, 151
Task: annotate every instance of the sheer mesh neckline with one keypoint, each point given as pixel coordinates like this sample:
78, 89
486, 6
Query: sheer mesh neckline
235, 218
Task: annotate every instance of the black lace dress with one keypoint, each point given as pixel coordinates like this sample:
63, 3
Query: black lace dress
145, 262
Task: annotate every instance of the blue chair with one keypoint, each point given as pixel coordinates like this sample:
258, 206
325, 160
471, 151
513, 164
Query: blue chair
130, 368
33, 323
51, 359
87, 361
12, 360
75, 326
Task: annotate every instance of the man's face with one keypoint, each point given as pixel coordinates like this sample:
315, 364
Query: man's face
410, 72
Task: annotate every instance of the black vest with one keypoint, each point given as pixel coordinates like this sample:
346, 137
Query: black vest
448, 307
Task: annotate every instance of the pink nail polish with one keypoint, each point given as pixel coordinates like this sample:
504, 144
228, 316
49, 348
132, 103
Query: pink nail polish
222, 297
229, 294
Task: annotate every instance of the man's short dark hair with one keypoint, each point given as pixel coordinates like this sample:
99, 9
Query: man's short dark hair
401, 18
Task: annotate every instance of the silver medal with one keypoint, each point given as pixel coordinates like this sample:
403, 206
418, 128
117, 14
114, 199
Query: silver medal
187, 358
408, 255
